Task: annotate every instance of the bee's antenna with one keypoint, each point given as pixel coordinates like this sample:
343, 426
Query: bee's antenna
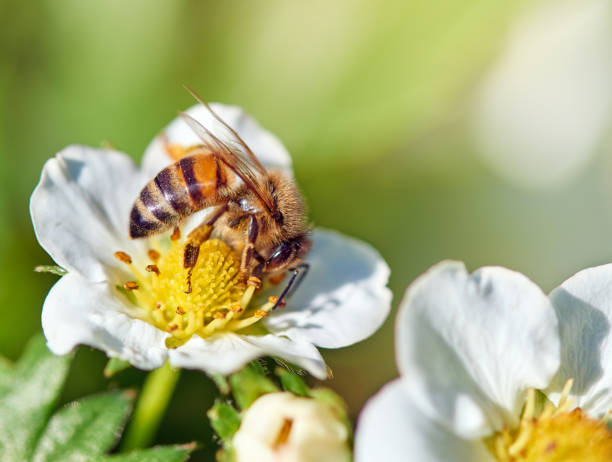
300, 270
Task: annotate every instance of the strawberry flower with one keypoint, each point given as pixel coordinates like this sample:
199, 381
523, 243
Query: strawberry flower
494, 370
126, 297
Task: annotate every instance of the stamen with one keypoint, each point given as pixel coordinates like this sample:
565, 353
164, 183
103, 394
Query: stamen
123, 257
254, 281
212, 299
558, 434
130, 285
153, 255
176, 234
217, 298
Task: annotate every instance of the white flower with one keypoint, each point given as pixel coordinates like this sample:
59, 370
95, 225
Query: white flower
282, 427
554, 70
80, 210
472, 351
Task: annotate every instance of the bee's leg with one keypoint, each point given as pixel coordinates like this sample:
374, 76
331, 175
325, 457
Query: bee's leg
299, 273
196, 238
249, 253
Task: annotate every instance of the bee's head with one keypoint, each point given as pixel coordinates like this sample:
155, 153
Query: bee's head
288, 253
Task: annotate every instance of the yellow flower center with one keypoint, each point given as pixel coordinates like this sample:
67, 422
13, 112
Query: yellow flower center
209, 298
556, 434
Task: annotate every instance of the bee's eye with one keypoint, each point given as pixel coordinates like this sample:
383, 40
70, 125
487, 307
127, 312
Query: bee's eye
278, 216
281, 255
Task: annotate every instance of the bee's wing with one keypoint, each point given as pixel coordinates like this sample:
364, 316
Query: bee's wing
235, 154
231, 138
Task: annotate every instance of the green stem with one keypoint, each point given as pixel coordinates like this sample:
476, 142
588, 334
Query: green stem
152, 403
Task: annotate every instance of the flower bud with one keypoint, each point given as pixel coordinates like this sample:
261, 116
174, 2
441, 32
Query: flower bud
282, 427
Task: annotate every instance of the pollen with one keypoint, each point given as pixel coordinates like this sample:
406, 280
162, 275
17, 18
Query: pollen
556, 434
123, 257
130, 285
218, 301
153, 255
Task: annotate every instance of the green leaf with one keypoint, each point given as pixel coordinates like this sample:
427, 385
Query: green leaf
53, 269
85, 428
81, 430
114, 366
177, 453
250, 383
292, 382
28, 393
224, 420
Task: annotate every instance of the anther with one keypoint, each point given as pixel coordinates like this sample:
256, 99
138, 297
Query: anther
171, 327
254, 281
123, 257
274, 300
176, 234
158, 305
153, 255
152, 269
180, 310
236, 308
219, 315
260, 314
130, 285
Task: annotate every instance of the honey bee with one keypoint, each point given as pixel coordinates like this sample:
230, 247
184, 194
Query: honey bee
259, 212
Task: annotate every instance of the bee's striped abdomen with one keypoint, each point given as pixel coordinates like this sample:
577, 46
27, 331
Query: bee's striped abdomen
188, 185
204, 176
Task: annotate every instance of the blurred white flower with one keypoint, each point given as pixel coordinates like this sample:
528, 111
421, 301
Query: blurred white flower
80, 210
474, 349
282, 427
545, 107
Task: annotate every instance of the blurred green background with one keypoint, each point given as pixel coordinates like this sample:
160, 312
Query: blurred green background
379, 104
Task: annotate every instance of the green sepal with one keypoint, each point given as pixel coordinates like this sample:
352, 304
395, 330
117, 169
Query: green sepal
53, 269
292, 382
221, 383
114, 366
336, 403
250, 383
28, 392
225, 454
175, 453
224, 419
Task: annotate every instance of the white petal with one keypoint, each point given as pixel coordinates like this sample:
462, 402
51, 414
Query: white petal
584, 308
391, 428
267, 147
472, 344
80, 209
344, 297
226, 353
77, 311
